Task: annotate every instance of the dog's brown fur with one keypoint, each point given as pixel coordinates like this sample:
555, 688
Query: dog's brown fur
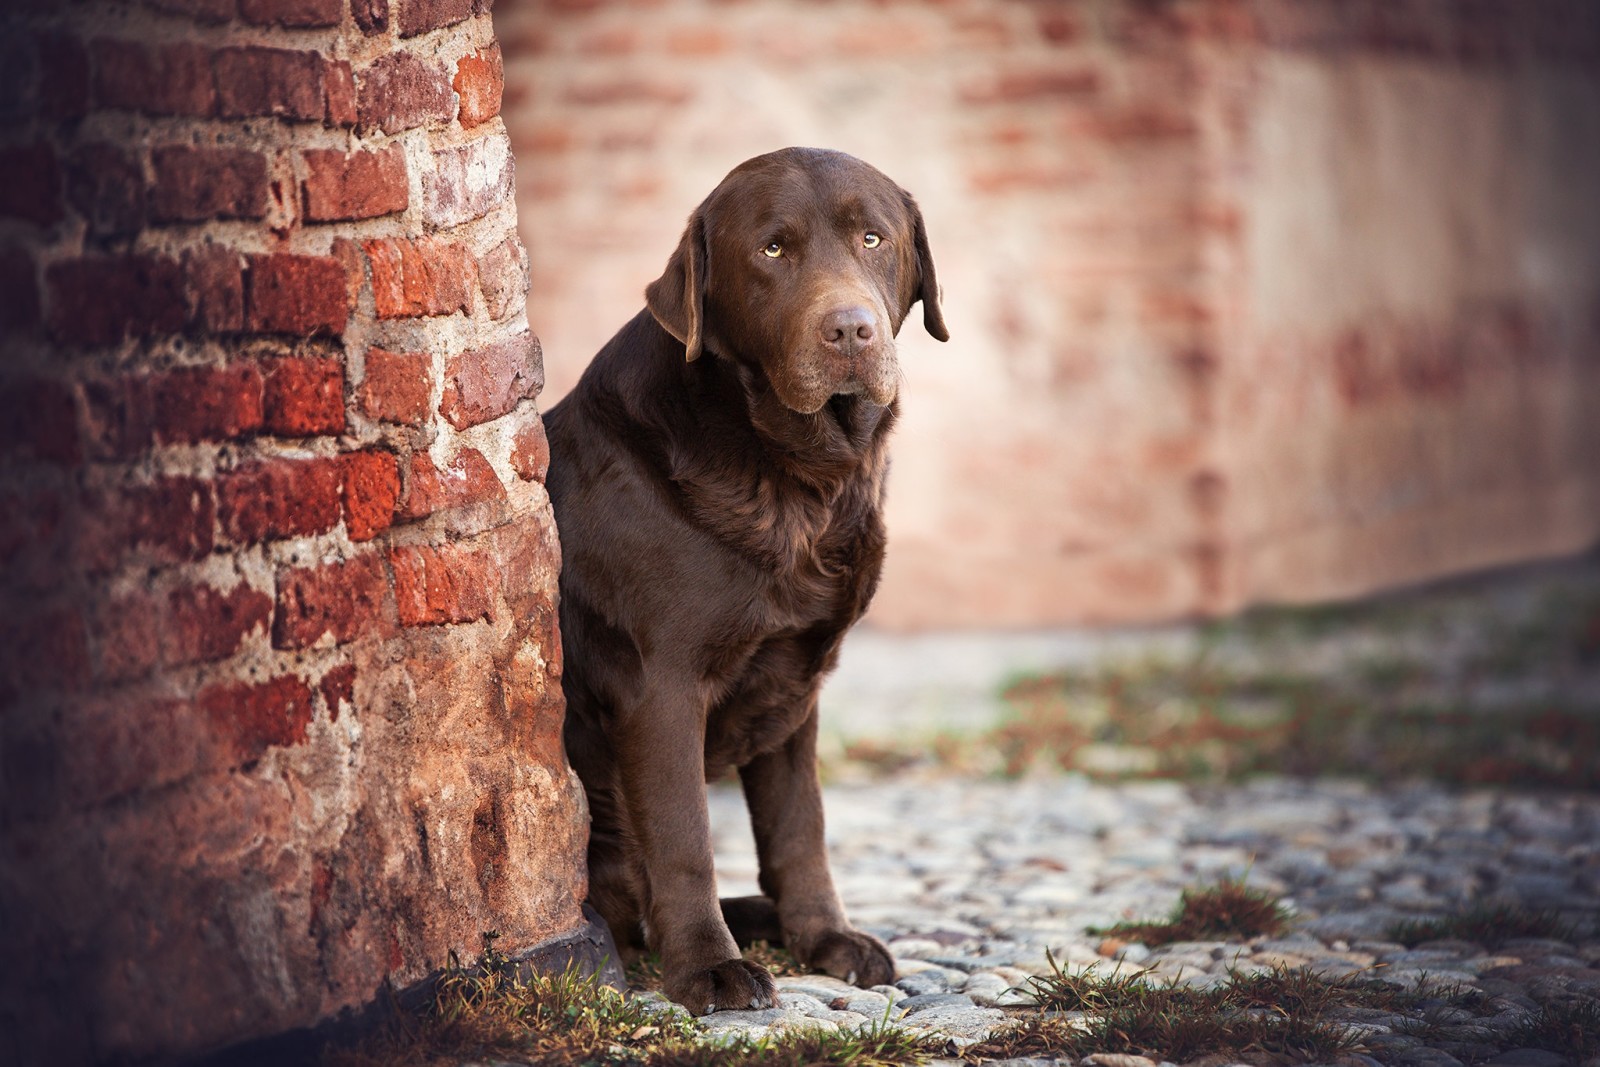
717, 476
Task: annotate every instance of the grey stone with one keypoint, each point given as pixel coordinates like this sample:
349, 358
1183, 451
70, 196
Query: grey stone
925, 1001
1527, 1057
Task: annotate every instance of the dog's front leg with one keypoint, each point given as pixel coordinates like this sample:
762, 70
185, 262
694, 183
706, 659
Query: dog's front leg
662, 757
785, 802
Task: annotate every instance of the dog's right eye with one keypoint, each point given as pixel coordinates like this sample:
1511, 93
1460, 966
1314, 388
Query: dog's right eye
773, 250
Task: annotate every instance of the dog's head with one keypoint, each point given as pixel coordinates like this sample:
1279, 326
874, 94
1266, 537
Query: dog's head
802, 262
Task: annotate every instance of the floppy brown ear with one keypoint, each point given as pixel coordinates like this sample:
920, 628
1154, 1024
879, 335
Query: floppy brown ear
677, 299
928, 287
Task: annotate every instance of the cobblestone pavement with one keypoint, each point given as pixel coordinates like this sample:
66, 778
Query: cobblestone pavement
971, 881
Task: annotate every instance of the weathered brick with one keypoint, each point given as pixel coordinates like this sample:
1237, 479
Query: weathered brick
213, 283
194, 404
167, 520
281, 82
440, 584
420, 16
173, 79
106, 187
249, 719
371, 15
400, 91
32, 190
467, 182
304, 397
195, 184
341, 186
428, 276
627, 89
466, 481
397, 386
202, 624
338, 688
480, 82
127, 637
339, 86
117, 423
487, 382
294, 294
38, 421
44, 650
19, 281
277, 499
369, 493
292, 14
503, 275
530, 451
98, 300
337, 600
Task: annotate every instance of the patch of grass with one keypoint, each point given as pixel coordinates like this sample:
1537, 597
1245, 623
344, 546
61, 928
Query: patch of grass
571, 1020
1227, 911
1281, 1016
644, 973
1571, 1027
1488, 925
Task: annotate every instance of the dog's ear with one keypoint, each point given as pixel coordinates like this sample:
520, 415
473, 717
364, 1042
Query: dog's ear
928, 286
677, 299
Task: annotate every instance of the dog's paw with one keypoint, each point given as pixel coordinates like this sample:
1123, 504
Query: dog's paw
733, 985
858, 958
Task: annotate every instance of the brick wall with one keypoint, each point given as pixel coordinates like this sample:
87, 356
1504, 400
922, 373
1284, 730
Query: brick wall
279, 658
1172, 233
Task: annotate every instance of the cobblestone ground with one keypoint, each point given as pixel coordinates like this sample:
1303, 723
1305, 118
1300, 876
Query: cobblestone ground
971, 882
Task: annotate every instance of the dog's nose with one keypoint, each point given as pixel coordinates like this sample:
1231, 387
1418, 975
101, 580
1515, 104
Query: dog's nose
847, 328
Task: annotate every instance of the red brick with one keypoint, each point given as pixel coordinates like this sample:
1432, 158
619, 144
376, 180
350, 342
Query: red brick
127, 637
530, 451
270, 81
466, 481
98, 300
1059, 27
371, 15
118, 423
1134, 124
488, 382
400, 91
358, 185
106, 186
279, 498
1024, 85
292, 14
428, 276
338, 687
397, 386
194, 404
304, 397
63, 76
47, 649
213, 282
628, 89
32, 187
38, 422
294, 294
19, 281
202, 11
339, 85
249, 719
167, 520
420, 16
32, 548
503, 275
443, 584
204, 624
341, 600
369, 494
174, 79
195, 184
480, 82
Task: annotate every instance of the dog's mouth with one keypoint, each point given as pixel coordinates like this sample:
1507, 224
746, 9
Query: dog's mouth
815, 379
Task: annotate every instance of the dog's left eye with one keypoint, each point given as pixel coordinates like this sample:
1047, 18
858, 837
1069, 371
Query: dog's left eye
773, 250
871, 240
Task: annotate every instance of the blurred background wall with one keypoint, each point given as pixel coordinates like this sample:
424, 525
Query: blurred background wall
1251, 300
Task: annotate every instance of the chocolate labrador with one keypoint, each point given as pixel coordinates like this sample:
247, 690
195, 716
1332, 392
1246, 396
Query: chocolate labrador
718, 477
